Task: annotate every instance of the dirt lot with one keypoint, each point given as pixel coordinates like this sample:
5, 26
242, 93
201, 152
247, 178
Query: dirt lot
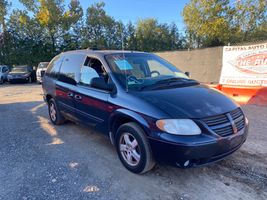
41, 161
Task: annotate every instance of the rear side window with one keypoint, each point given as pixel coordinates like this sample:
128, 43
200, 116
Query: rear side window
54, 67
71, 66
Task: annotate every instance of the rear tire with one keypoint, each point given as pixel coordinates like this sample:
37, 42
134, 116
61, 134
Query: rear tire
133, 148
55, 116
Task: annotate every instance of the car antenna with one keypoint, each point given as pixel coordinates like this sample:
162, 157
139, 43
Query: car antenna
124, 61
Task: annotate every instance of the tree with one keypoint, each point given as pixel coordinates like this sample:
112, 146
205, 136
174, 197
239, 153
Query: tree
102, 30
5, 39
208, 21
250, 19
4, 6
43, 29
53, 18
130, 40
177, 40
46, 27
215, 22
6, 44
153, 36
72, 39
28, 39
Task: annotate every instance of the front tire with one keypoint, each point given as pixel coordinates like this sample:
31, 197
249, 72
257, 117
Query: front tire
54, 113
133, 148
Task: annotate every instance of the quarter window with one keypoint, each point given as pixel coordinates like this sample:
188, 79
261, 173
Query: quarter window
54, 67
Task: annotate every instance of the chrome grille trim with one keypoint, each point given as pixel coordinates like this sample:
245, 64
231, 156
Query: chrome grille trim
226, 124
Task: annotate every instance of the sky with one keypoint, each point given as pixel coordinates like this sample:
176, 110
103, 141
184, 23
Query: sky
166, 11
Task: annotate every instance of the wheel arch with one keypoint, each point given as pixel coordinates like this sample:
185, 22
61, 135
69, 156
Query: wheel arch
48, 97
122, 116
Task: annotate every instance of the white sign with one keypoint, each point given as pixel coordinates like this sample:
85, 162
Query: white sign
244, 65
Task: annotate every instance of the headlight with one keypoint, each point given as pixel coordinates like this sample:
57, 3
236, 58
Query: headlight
178, 126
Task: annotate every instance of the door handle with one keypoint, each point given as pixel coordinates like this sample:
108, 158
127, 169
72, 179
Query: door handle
70, 94
77, 97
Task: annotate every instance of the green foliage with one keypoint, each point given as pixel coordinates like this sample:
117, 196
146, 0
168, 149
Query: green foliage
216, 22
47, 27
152, 36
4, 5
207, 21
251, 19
100, 29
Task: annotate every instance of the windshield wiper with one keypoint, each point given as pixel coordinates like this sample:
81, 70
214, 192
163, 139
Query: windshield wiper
169, 83
175, 79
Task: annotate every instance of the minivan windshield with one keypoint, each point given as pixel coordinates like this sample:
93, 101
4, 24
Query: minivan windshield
141, 71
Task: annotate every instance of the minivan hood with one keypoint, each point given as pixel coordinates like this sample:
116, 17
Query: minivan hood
196, 101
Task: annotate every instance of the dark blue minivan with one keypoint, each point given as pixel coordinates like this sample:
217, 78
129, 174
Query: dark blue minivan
150, 109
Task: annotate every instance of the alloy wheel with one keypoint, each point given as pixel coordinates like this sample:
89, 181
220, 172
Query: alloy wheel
53, 112
129, 149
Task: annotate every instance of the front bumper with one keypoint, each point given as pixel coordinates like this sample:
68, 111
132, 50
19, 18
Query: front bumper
191, 151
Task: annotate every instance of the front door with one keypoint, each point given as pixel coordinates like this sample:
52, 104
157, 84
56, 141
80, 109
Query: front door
91, 103
91, 106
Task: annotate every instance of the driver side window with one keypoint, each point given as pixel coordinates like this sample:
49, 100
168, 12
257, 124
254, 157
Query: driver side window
87, 74
92, 68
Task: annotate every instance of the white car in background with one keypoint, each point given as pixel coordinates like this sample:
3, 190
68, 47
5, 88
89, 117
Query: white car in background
4, 70
41, 71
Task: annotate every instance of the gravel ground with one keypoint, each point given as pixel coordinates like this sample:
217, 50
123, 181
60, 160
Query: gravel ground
41, 161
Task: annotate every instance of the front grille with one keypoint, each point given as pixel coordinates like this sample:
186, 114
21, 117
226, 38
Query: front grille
42, 73
219, 119
226, 124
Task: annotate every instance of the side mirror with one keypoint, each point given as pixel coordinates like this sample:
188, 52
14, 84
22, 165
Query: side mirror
100, 83
66, 79
187, 74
